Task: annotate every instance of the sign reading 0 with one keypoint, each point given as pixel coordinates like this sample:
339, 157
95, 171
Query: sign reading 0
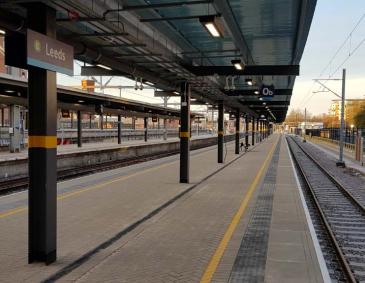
48, 53
267, 90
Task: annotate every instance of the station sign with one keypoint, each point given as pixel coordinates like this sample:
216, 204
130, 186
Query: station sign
65, 113
154, 119
48, 53
267, 92
88, 85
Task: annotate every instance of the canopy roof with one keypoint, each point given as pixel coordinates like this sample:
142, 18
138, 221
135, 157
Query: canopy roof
164, 42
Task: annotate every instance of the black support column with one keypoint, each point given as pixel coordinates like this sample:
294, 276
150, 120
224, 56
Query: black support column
246, 130
145, 129
184, 132
253, 131
119, 129
265, 129
220, 131
257, 130
237, 142
79, 129
42, 144
261, 138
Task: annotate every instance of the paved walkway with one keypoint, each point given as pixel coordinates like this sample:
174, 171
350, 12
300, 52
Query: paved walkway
195, 237
333, 151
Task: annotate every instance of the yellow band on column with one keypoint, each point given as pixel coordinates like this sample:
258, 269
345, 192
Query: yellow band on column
42, 141
184, 135
221, 133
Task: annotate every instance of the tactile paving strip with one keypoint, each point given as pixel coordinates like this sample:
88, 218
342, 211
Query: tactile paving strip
249, 265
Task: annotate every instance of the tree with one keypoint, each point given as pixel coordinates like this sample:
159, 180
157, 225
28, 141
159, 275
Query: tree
294, 117
360, 118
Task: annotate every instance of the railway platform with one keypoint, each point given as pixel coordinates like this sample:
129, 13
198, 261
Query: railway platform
240, 221
332, 151
94, 146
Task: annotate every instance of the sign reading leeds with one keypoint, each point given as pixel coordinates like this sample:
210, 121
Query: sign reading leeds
48, 53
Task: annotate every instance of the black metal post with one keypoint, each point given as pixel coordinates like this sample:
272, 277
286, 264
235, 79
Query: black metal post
101, 120
119, 129
90, 121
253, 131
72, 119
79, 129
145, 129
237, 143
2, 117
257, 130
261, 137
246, 130
42, 147
133, 123
184, 132
220, 131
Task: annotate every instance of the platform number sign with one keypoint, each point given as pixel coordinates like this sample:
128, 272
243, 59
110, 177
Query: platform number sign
267, 92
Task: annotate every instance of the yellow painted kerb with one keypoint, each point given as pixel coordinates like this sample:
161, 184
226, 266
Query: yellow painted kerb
218, 254
42, 141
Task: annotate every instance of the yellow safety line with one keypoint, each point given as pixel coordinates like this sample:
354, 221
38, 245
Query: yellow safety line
98, 186
13, 211
217, 256
67, 195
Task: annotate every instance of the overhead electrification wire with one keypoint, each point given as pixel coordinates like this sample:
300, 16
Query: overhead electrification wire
306, 99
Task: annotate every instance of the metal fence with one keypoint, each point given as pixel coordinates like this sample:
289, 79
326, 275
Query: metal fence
69, 136
334, 134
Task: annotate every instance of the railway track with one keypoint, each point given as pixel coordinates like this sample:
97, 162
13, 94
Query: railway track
21, 183
18, 184
341, 214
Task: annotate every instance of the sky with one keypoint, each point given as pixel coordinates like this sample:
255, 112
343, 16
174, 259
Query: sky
332, 24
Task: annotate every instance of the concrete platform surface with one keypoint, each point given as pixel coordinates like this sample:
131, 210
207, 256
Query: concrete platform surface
333, 151
137, 224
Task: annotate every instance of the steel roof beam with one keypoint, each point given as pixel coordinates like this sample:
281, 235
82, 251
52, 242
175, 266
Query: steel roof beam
139, 55
121, 45
214, 56
251, 92
253, 70
97, 34
226, 11
157, 6
259, 103
210, 51
175, 18
166, 94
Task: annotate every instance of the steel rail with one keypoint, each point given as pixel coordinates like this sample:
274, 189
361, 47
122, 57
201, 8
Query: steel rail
342, 259
338, 184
